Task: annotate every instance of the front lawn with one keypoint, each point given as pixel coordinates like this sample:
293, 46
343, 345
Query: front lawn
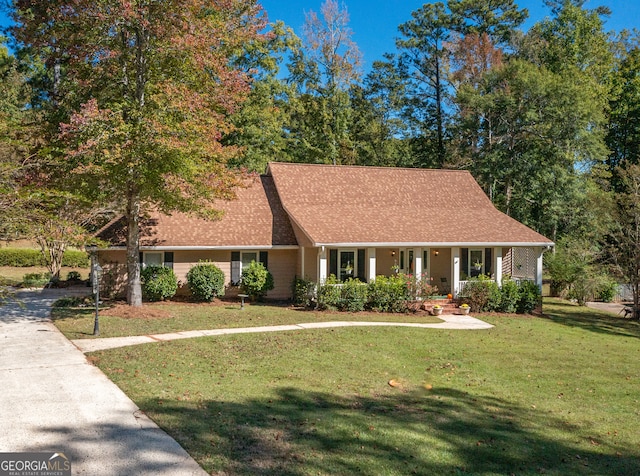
122, 320
555, 395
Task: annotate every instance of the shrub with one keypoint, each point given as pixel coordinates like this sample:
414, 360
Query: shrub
354, 296
25, 258
20, 258
494, 302
73, 276
35, 280
206, 281
476, 293
74, 301
158, 283
303, 292
608, 291
348, 296
509, 296
420, 288
76, 259
387, 294
256, 280
329, 295
528, 297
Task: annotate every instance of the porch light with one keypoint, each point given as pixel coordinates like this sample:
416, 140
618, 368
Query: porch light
436, 252
393, 253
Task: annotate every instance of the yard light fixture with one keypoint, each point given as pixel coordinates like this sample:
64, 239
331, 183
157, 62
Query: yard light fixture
95, 278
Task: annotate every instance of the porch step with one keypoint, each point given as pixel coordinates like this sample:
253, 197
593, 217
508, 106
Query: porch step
449, 306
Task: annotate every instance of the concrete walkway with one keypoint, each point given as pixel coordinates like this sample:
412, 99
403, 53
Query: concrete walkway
450, 322
52, 399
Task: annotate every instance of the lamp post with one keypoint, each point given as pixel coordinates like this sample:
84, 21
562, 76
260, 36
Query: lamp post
96, 274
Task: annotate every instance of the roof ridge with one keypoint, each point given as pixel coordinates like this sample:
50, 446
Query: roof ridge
377, 167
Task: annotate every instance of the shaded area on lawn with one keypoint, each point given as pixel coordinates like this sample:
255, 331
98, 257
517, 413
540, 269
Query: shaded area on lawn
437, 431
572, 315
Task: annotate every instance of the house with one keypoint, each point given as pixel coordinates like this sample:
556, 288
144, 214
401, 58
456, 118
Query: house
312, 221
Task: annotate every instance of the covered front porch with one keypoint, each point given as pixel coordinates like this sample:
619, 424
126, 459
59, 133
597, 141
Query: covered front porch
447, 267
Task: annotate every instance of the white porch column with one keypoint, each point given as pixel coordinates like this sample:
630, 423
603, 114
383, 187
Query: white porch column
302, 253
417, 262
455, 271
372, 264
322, 265
539, 251
497, 264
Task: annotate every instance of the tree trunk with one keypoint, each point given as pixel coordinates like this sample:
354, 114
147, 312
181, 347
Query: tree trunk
52, 252
134, 289
439, 115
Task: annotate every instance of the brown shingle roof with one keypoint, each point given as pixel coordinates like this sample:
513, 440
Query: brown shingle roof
255, 219
375, 205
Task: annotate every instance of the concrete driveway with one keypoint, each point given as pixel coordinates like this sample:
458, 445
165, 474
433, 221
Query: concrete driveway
52, 399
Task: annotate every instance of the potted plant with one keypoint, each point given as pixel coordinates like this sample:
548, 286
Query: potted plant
477, 265
464, 308
436, 310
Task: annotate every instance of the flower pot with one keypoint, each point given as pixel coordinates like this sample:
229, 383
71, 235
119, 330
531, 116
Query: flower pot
436, 311
464, 310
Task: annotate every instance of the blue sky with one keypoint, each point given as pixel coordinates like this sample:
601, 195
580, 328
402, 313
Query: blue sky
375, 22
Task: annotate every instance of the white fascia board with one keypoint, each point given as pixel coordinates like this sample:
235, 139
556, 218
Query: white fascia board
546, 244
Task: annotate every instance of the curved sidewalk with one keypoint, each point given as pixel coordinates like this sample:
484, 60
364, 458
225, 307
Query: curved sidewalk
449, 322
54, 400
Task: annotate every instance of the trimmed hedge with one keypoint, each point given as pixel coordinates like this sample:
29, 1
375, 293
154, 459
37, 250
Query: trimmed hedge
206, 281
484, 295
25, 258
256, 280
158, 283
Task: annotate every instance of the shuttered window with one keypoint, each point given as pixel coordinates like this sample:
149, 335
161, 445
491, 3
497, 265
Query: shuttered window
333, 262
264, 258
361, 266
242, 259
236, 267
168, 259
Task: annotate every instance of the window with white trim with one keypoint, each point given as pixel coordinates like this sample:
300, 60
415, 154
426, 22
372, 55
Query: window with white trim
240, 260
156, 258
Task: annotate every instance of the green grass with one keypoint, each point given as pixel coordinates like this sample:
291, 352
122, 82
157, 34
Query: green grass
13, 275
553, 395
78, 323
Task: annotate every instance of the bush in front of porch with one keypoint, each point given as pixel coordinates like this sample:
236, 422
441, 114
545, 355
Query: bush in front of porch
384, 294
484, 295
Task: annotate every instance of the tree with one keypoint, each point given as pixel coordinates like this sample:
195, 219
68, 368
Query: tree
324, 69
17, 139
624, 247
623, 134
146, 88
498, 19
380, 135
259, 125
422, 62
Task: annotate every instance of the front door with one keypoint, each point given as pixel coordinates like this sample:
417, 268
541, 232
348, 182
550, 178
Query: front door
347, 262
476, 262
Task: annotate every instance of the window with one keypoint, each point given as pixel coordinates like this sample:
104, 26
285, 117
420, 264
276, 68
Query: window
247, 258
156, 258
240, 260
347, 264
